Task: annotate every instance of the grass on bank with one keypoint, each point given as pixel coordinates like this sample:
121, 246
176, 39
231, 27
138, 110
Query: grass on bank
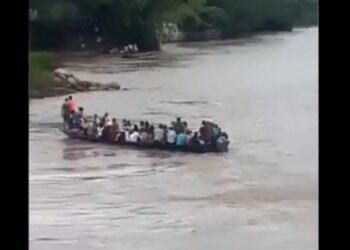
40, 70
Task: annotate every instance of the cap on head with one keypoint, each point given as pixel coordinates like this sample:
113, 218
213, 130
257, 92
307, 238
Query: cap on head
70, 97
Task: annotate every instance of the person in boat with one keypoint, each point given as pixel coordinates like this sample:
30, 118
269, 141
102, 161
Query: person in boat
129, 125
180, 139
124, 124
185, 127
144, 126
188, 136
90, 130
178, 125
209, 126
202, 131
159, 135
108, 126
108, 120
103, 119
195, 141
205, 131
113, 130
80, 119
81, 114
99, 131
222, 141
71, 120
96, 121
71, 104
147, 125
136, 49
144, 138
215, 133
171, 137
134, 136
150, 132
64, 110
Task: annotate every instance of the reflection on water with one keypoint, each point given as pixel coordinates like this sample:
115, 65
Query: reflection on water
263, 92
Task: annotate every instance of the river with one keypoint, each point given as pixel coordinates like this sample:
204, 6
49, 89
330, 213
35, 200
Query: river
263, 194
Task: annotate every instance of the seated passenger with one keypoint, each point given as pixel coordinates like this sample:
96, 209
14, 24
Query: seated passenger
142, 125
127, 126
159, 134
113, 130
76, 120
96, 121
99, 131
147, 125
171, 136
134, 136
223, 138
150, 133
106, 119
90, 130
81, 113
204, 132
196, 141
188, 136
185, 127
143, 136
178, 125
215, 133
180, 139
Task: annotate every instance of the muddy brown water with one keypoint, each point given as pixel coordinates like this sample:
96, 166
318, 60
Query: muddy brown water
263, 194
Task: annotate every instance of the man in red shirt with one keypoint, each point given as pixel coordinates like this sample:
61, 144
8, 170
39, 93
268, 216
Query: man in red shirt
71, 104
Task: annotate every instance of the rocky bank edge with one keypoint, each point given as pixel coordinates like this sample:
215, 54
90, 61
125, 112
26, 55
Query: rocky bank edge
64, 82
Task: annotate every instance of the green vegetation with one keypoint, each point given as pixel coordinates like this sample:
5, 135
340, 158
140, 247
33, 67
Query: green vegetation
40, 69
123, 21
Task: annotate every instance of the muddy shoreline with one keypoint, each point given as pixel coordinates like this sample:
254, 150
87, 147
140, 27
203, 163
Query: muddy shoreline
61, 58
56, 87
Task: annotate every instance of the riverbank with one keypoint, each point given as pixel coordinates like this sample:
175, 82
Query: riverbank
43, 83
47, 79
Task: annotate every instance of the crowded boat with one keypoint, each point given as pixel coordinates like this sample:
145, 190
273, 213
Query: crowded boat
175, 136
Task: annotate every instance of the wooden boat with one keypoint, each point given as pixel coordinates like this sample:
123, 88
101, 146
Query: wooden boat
75, 134
130, 55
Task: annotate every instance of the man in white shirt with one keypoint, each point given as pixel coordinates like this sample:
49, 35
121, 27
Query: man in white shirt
108, 120
159, 134
134, 137
171, 136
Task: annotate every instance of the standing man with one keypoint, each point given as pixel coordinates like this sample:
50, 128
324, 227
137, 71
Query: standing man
71, 104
